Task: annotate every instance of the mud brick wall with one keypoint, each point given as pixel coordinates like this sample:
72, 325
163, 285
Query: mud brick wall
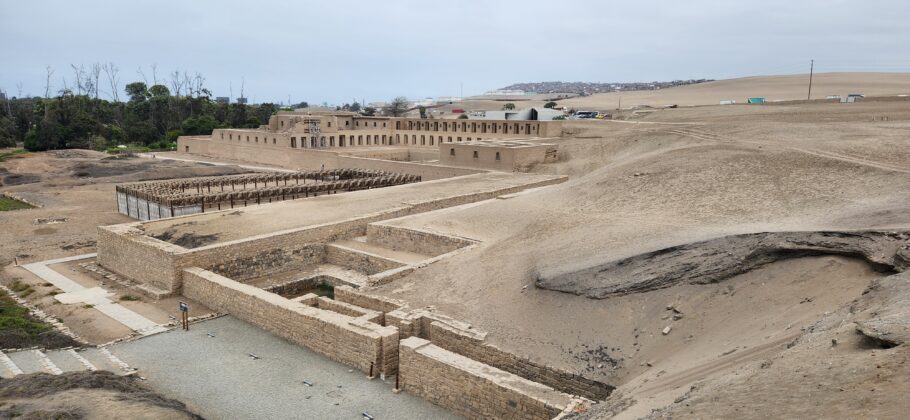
382, 305
472, 389
470, 344
124, 250
359, 260
270, 261
412, 240
212, 255
353, 342
352, 311
427, 172
377, 303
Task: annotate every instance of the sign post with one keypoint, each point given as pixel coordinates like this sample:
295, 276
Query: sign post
185, 315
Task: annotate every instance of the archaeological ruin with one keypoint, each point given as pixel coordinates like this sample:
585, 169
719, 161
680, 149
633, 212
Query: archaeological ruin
332, 140
306, 278
161, 199
301, 267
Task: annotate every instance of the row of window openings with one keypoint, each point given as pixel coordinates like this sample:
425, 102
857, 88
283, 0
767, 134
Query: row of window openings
369, 139
329, 123
452, 153
445, 126
464, 127
264, 139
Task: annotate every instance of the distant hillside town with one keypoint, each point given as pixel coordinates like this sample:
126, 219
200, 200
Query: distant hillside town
585, 88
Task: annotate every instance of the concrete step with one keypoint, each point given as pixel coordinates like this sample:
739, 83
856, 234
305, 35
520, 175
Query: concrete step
26, 361
102, 361
8, 368
48, 364
65, 360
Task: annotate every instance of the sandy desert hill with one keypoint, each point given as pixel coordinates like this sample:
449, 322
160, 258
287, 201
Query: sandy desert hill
773, 88
675, 177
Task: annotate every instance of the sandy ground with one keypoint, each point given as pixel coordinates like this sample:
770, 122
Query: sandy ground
682, 175
772, 88
78, 186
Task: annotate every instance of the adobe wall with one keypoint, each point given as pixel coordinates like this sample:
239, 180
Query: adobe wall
313, 159
380, 304
357, 260
413, 240
472, 389
347, 340
270, 261
473, 346
277, 243
459, 337
348, 309
125, 250
427, 172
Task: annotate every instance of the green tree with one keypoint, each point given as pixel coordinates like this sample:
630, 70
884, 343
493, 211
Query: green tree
45, 135
137, 91
199, 126
550, 104
422, 110
7, 132
508, 107
397, 108
368, 111
158, 91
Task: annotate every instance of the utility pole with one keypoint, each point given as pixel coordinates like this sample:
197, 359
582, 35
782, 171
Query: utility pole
811, 71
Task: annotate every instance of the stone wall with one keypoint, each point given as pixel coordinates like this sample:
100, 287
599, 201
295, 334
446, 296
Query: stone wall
380, 304
357, 343
361, 261
270, 261
472, 345
472, 389
343, 308
414, 240
125, 250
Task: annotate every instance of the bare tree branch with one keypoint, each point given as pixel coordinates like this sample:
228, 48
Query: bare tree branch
47, 82
113, 79
96, 78
142, 75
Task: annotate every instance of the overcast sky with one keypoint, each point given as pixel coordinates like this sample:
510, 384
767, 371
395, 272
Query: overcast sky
337, 51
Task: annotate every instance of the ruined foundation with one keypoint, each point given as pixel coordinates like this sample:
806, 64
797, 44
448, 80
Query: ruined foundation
163, 199
273, 281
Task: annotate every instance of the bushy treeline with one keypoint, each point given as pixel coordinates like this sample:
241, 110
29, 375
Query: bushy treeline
152, 117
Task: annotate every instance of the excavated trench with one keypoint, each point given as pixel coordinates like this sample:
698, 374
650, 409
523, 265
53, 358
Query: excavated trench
718, 259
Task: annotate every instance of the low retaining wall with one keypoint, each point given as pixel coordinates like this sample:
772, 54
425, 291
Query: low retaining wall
472, 389
472, 345
271, 261
413, 240
459, 337
357, 343
347, 294
361, 261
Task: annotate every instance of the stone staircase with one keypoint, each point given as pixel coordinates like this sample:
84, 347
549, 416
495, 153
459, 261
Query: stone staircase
56, 362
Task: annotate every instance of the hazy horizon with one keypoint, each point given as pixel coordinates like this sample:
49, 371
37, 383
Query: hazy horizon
375, 51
